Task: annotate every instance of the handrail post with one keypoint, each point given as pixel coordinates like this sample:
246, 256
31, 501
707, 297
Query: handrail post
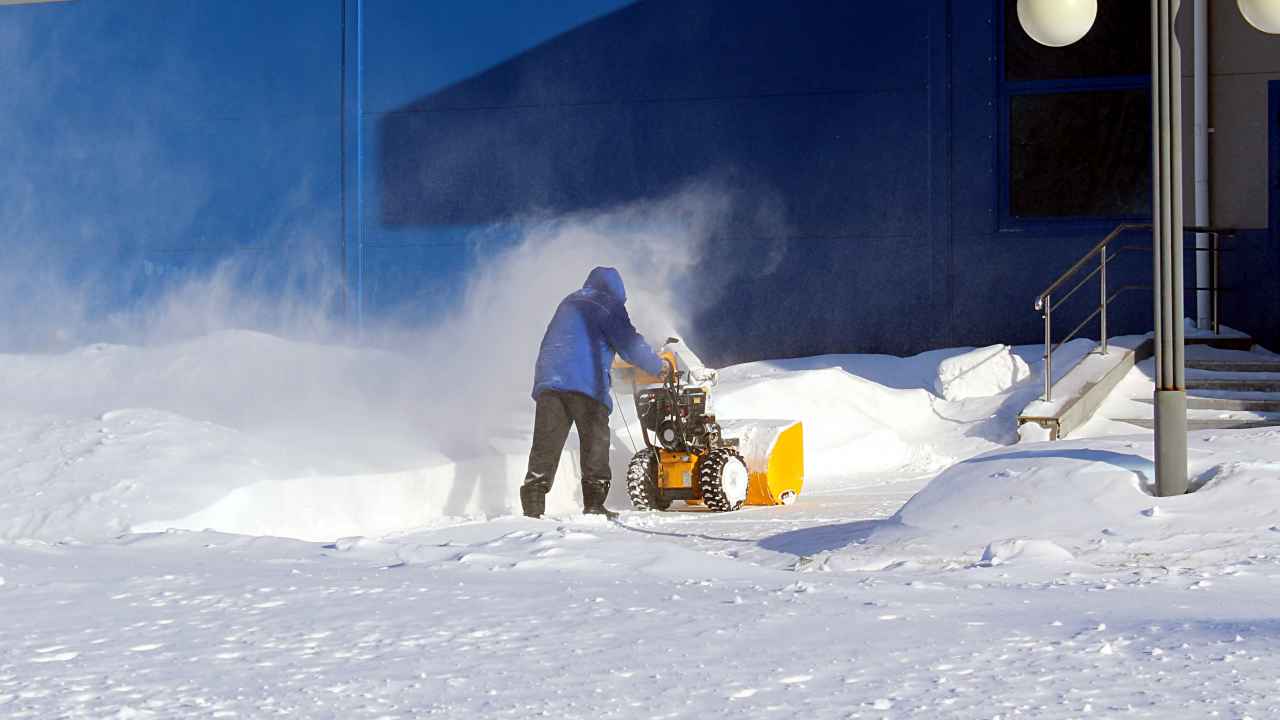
1104, 300
1048, 348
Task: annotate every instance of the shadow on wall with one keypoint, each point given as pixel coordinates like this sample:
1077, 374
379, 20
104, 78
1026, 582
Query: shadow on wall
823, 141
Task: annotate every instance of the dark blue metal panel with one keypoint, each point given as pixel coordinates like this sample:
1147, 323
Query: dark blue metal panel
393, 141
998, 265
417, 48
142, 140
770, 99
412, 48
353, 159
1273, 166
973, 118
941, 100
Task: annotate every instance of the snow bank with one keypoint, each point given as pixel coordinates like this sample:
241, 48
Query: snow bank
851, 425
1092, 500
95, 478
980, 373
249, 433
246, 432
321, 508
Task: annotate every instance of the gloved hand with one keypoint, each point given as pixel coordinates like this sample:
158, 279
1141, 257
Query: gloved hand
668, 370
704, 376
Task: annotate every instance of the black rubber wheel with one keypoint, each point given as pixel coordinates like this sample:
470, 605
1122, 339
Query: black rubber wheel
723, 478
642, 481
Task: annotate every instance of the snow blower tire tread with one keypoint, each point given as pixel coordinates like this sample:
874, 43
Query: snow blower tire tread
710, 479
642, 481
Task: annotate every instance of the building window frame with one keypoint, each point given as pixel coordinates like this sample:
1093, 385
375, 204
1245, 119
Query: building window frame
1006, 91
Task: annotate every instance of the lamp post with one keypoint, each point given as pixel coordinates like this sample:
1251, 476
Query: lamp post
1167, 244
1062, 22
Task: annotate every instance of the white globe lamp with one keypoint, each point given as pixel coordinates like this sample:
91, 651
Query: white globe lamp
1058, 23
1262, 14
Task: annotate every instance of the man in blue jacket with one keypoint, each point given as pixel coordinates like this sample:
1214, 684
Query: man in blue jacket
571, 386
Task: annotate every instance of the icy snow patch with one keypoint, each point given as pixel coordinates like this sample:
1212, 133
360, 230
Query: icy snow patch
980, 373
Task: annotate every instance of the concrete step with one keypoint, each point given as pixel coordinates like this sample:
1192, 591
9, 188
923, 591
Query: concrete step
1230, 404
1209, 423
1238, 341
1239, 366
1234, 384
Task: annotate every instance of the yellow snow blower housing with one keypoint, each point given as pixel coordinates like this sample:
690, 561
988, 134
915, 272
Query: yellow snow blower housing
690, 456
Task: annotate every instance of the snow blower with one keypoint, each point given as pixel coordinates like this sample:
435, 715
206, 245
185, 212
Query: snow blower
690, 456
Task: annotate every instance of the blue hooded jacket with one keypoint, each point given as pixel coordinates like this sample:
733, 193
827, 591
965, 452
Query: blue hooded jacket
589, 326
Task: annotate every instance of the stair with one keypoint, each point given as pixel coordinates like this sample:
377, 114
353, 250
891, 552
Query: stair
1233, 384
1227, 389
1245, 366
1243, 404
1210, 423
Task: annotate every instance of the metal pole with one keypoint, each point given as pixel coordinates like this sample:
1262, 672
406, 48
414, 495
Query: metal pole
1200, 133
1048, 349
1103, 282
1166, 119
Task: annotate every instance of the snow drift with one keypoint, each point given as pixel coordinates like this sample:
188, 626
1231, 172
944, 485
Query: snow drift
980, 373
1041, 505
249, 433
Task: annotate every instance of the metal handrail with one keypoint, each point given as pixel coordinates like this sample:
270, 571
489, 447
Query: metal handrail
1087, 256
1045, 300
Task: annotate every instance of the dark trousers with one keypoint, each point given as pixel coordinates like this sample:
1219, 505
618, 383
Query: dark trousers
556, 413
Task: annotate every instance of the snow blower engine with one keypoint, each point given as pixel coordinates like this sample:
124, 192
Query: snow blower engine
690, 456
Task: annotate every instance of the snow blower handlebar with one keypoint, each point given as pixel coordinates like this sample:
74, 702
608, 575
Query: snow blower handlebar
625, 370
669, 379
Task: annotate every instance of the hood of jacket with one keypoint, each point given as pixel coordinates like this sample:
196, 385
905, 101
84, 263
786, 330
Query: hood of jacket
607, 279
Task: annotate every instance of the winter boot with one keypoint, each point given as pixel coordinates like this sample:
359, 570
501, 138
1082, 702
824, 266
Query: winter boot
593, 496
533, 500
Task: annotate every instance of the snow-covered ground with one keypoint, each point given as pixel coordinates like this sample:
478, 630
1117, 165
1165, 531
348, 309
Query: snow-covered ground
242, 526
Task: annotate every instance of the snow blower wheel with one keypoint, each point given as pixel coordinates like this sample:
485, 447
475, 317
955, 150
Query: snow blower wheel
723, 480
688, 455
642, 481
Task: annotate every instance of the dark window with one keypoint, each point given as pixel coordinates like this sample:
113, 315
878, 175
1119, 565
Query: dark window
1078, 135
1080, 154
1118, 44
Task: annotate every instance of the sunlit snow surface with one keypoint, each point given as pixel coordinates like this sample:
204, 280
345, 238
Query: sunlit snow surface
1030, 580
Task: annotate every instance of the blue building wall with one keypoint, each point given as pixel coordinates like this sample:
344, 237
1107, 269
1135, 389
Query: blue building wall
372, 138
146, 139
